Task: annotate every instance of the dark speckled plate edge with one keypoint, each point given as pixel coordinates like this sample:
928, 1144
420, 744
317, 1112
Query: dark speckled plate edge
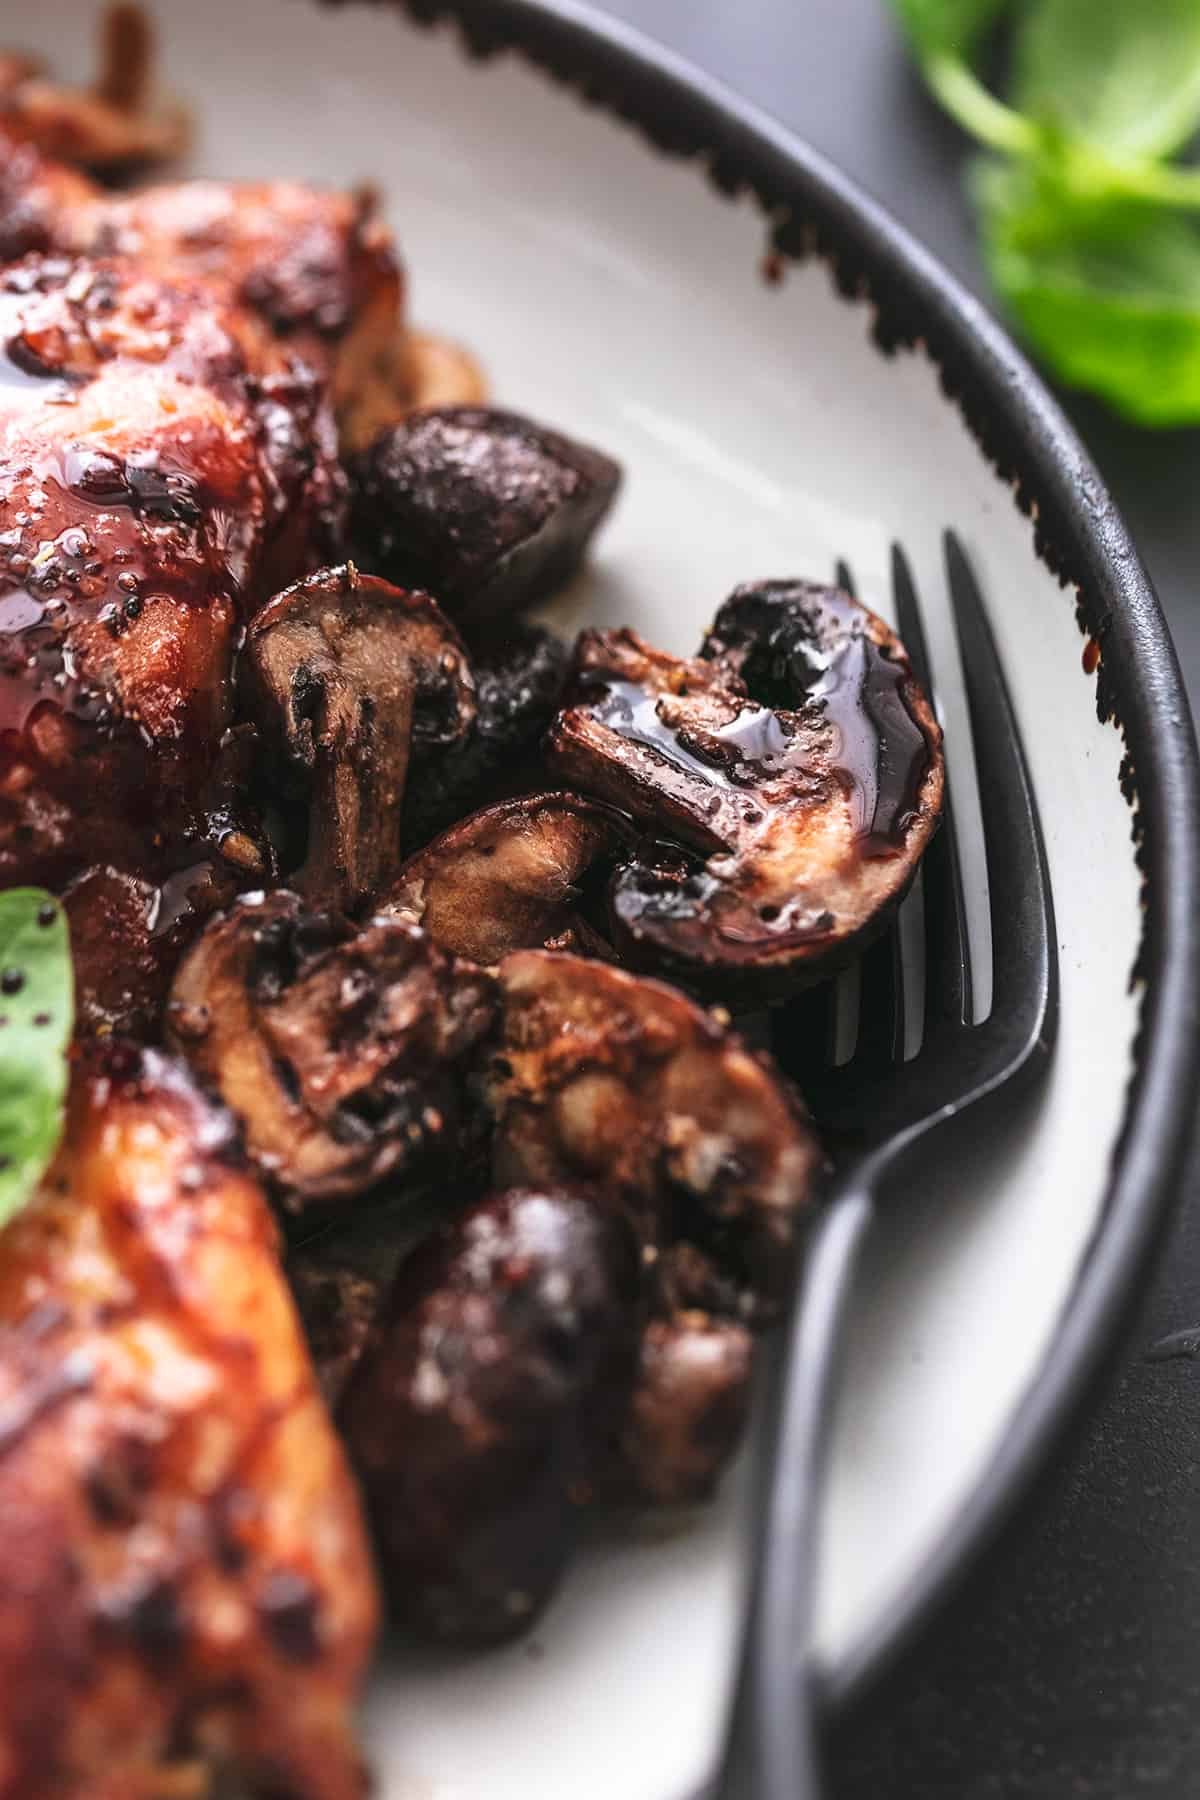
811, 209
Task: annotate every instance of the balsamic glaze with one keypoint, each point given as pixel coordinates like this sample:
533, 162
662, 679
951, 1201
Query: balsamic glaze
878, 753
755, 737
37, 665
148, 488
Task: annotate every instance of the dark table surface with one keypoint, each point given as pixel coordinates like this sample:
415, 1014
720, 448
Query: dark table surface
1069, 1664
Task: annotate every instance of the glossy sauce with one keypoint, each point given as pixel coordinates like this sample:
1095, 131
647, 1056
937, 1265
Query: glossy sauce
880, 754
756, 741
37, 665
188, 893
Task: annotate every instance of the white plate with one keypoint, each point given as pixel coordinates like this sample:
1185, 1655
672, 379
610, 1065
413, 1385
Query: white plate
610, 290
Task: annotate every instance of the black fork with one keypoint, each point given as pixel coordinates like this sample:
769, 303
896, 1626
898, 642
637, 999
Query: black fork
883, 1117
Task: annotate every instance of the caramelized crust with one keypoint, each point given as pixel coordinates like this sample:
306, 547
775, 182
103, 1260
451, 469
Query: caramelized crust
186, 1577
317, 268
160, 459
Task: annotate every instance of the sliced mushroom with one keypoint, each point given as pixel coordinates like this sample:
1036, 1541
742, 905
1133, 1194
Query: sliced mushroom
519, 674
341, 1052
609, 1079
482, 1402
799, 756
486, 509
689, 1407
351, 675
508, 878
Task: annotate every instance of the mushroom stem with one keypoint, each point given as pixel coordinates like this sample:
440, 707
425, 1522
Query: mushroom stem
346, 672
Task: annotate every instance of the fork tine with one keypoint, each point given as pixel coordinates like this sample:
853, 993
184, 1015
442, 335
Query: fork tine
948, 987
844, 576
880, 1007
910, 624
1024, 964
803, 1035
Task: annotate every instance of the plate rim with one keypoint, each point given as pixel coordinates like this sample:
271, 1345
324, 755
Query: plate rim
813, 209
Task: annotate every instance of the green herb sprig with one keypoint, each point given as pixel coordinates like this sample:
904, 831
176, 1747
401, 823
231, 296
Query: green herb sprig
37, 1006
1090, 234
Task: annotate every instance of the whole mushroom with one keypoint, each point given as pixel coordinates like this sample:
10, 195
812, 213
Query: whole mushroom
488, 510
475, 1417
688, 1410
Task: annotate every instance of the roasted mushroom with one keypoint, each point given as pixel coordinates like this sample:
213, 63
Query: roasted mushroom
612, 1080
341, 1052
519, 674
350, 675
478, 1411
799, 756
486, 509
337, 1306
507, 878
688, 1411
342, 1270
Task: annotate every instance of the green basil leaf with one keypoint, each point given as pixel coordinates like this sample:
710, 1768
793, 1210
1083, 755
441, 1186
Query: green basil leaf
1125, 74
37, 1006
947, 27
1105, 288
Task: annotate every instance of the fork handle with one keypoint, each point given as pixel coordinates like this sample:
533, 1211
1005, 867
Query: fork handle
781, 1677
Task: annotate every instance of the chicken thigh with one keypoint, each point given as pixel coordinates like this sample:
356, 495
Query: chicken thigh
186, 1578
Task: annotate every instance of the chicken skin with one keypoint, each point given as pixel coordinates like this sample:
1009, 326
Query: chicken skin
317, 267
170, 362
187, 1583
162, 462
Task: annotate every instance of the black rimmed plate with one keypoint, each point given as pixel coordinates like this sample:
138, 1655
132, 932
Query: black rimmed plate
775, 415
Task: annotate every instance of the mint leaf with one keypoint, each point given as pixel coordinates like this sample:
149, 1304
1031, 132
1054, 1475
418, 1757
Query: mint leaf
947, 27
37, 1006
1125, 74
1105, 287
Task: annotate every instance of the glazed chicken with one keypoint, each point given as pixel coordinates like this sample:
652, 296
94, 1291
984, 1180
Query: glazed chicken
169, 362
186, 1576
187, 1583
155, 471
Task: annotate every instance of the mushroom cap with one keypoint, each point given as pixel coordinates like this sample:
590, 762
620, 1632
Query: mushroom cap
494, 1377
507, 878
689, 1407
798, 756
519, 674
338, 1050
489, 509
625, 1084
